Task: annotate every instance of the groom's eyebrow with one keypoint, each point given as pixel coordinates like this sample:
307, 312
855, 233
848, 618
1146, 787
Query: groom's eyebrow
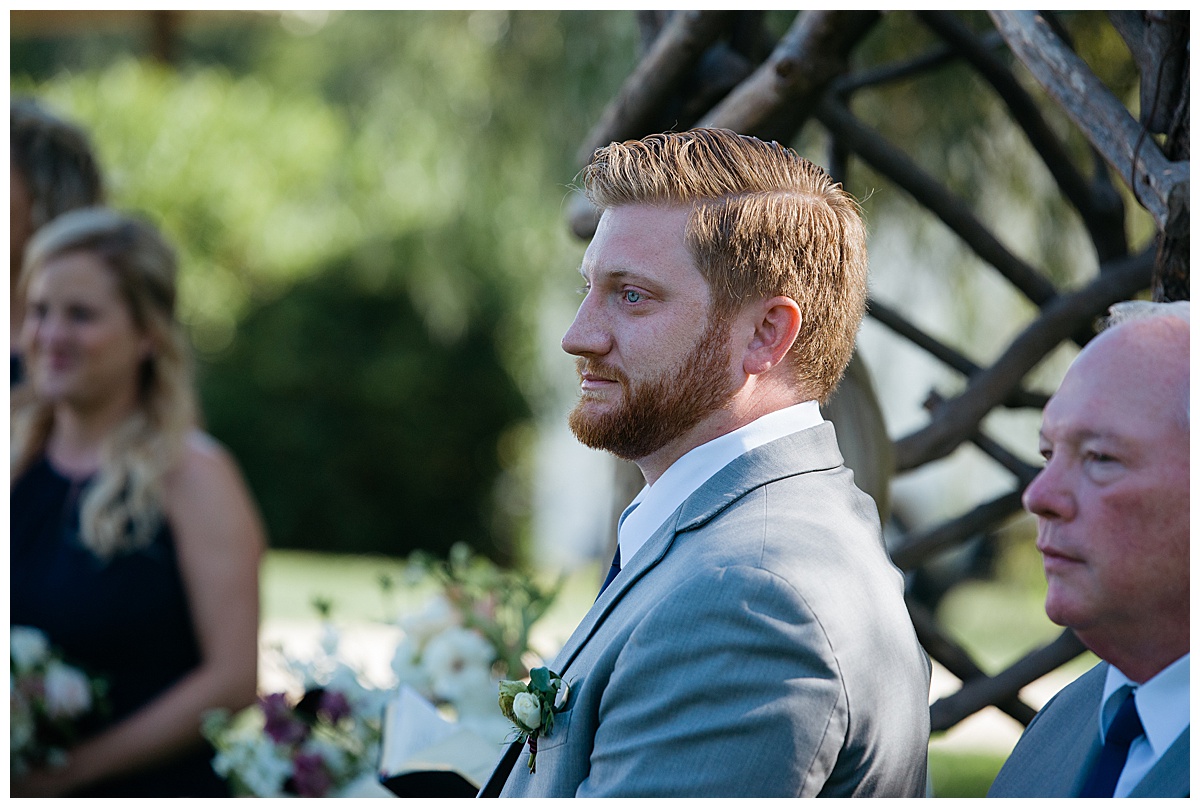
622, 275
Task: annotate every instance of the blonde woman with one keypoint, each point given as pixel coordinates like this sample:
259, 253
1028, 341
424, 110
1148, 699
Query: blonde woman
135, 543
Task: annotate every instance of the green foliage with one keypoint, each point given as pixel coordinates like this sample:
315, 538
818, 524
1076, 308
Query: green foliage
368, 210
247, 182
360, 430
501, 604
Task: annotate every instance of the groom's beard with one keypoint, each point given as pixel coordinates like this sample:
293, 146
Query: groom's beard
653, 412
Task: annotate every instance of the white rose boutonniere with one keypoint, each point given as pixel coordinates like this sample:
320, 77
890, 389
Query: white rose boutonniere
531, 707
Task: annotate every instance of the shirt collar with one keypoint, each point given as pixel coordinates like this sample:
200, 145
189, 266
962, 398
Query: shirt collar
655, 503
1163, 702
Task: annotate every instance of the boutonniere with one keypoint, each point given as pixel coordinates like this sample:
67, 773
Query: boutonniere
531, 707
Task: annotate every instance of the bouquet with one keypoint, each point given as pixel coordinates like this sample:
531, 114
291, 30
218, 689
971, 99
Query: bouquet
47, 701
472, 633
323, 738
317, 745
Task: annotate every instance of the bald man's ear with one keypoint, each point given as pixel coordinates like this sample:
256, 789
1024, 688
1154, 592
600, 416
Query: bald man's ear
776, 323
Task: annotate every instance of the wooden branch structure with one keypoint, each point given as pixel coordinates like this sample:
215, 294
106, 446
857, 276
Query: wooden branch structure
810, 55
1099, 205
1102, 119
955, 420
932, 195
673, 54
806, 80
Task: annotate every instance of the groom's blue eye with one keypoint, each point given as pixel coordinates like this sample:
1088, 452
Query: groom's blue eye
631, 296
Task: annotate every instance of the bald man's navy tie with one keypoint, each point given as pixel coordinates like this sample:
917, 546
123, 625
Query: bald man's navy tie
1125, 728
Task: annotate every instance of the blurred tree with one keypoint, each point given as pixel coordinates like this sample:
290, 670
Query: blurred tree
362, 430
408, 151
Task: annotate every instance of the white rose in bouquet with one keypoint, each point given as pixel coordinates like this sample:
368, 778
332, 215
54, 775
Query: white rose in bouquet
68, 692
28, 648
438, 616
453, 660
406, 664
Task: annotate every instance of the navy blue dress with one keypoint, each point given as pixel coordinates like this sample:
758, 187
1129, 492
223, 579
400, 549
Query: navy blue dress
126, 619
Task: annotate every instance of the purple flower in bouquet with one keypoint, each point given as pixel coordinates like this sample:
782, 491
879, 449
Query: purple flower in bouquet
334, 706
281, 724
310, 776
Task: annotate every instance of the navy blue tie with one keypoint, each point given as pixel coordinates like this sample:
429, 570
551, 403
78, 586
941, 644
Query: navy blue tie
612, 572
1125, 728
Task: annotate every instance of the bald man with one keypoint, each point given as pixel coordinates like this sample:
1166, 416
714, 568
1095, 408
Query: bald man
1112, 509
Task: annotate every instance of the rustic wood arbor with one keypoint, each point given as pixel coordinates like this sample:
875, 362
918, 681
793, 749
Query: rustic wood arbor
720, 68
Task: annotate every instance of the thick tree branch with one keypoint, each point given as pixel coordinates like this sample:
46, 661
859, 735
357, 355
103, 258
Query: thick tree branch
1104, 215
955, 421
920, 548
955, 659
895, 164
1158, 41
889, 317
999, 689
1024, 472
1102, 119
810, 55
937, 57
674, 53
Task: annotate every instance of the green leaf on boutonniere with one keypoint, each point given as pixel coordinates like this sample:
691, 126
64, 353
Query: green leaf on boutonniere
531, 707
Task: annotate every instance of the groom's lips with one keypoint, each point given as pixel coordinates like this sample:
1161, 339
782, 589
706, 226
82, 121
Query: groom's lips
592, 381
592, 377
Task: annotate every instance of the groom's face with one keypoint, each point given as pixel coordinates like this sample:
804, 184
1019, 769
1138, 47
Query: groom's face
652, 362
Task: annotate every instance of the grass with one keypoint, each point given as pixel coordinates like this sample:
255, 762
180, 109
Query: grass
962, 774
292, 580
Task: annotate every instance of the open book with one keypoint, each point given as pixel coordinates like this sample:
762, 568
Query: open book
424, 755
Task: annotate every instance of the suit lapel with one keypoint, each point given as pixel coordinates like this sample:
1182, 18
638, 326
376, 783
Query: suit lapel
495, 783
642, 562
808, 450
1170, 776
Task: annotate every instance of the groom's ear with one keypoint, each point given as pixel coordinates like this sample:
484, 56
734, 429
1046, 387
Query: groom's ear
775, 322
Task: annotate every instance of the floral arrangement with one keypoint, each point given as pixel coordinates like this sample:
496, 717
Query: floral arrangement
324, 739
472, 633
317, 745
47, 701
531, 706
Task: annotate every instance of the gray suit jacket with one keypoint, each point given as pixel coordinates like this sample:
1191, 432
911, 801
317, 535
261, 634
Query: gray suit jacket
757, 645
1057, 750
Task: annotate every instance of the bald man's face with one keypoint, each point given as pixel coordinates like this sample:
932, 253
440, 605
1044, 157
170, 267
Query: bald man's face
1112, 501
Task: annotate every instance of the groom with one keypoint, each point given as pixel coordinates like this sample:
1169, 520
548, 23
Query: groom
754, 641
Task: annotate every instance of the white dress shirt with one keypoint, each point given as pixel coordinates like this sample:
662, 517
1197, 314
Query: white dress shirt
655, 503
1163, 706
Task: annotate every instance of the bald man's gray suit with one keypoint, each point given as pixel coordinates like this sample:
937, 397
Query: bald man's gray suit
757, 645
1057, 750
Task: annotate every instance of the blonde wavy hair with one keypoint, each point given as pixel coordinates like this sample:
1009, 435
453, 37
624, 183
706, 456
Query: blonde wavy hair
122, 507
764, 222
